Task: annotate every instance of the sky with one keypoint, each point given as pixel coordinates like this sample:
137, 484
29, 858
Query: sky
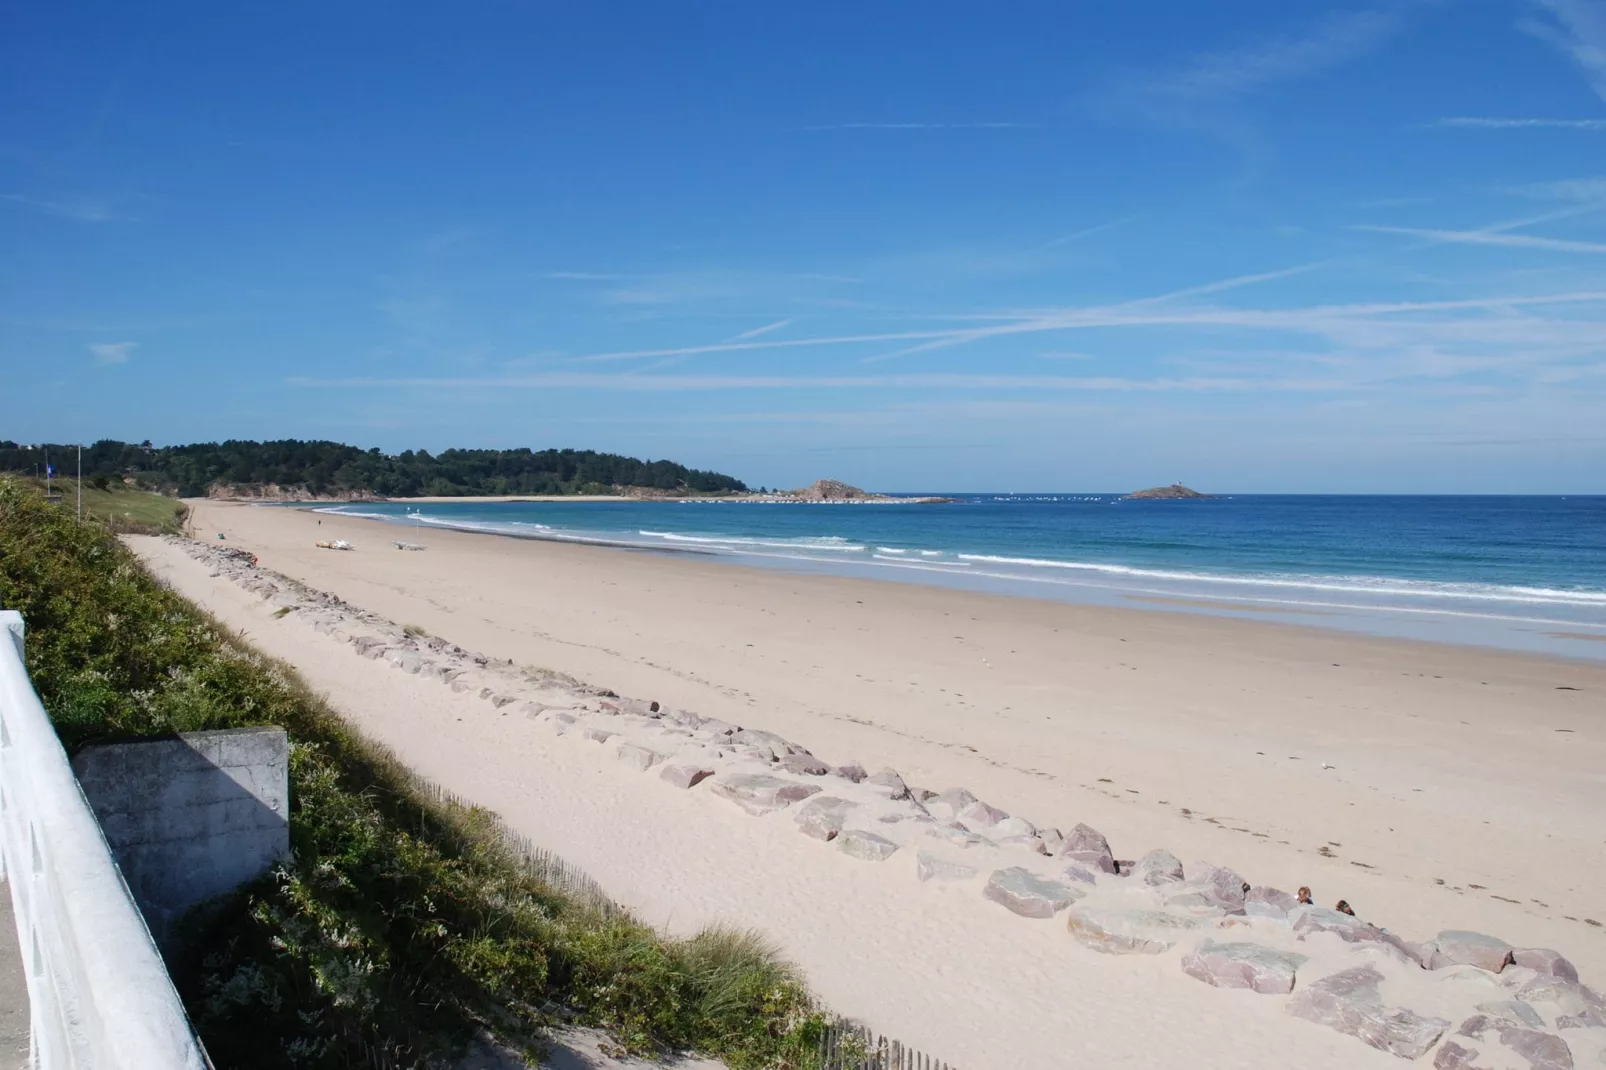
1253, 246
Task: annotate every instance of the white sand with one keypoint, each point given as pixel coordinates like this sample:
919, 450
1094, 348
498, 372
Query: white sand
1028, 704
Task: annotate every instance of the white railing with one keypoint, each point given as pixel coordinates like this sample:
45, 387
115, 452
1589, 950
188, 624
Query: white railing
100, 996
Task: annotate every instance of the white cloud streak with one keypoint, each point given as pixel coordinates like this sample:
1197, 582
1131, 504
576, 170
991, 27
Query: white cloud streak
1478, 122
82, 210
109, 353
922, 381
1577, 28
1484, 237
758, 332
923, 126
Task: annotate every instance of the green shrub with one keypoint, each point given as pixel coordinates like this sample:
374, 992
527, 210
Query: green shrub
403, 926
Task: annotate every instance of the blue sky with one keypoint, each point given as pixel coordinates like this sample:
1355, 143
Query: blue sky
1255, 246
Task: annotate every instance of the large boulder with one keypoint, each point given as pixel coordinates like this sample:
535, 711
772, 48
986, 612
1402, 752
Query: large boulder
866, 846
1544, 961
1263, 902
888, 784
1088, 846
1027, 894
1010, 828
685, 776
946, 806
1158, 867
1535, 1047
804, 765
1243, 965
638, 757
822, 817
1128, 932
1570, 997
852, 771
1458, 947
777, 745
931, 867
1350, 1003
978, 816
760, 793
1209, 888
1511, 1012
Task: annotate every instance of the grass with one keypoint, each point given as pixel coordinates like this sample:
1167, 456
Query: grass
122, 509
404, 925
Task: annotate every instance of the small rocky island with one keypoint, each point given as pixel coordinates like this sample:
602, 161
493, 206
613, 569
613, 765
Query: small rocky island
834, 490
1175, 490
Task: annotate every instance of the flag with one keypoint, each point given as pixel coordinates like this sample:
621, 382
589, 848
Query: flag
50, 470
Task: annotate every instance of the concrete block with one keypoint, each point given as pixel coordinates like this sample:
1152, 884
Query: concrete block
192, 817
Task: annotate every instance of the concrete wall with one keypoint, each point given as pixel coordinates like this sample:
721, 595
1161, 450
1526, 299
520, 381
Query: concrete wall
192, 817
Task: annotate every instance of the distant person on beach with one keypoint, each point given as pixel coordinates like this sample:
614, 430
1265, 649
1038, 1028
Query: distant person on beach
1343, 907
1303, 899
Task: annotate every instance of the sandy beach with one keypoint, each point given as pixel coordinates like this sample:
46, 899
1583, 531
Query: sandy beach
1433, 787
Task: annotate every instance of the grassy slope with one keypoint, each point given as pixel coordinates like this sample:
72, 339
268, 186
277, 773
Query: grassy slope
402, 926
123, 509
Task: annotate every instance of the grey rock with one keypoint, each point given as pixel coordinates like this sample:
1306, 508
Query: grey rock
1028, 843
760, 793
1008, 827
959, 837
598, 735
1541, 1050
775, 743
685, 776
715, 727
1027, 894
638, 757
1053, 840
978, 816
1513, 1012
1350, 1003
1263, 902
946, 805
866, 846
500, 700
1458, 947
852, 771
1209, 888
804, 764
932, 867
1128, 932
888, 784
822, 816
368, 645
1454, 1056
1584, 1020
1243, 965
1087, 845
1544, 961
1081, 874
1570, 996
562, 720
1158, 867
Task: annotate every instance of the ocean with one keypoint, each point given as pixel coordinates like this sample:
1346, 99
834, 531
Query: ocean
1526, 573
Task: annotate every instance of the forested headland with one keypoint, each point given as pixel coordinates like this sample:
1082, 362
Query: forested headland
332, 469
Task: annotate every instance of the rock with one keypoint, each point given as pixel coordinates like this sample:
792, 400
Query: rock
866, 846
1457, 947
1009, 827
804, 764
1541, 1050
1029, 843
1209, 888
1088, 846
945, 806
775, 743
955, 835
1513, 1012
1321, 920
500, 700
822, 816
1570, 996
368, 645
1585, 1020
1243, 965
1158, 867
637, 757
930, 867
852, 771
1081, 874
685, 776
889, 784
759, 793
1453, 1056
978, 815
1128, 932
1053, 840
1544, 961
464, 683
598, 735
1349, 1002
1027, 894
715, 727
1263, 902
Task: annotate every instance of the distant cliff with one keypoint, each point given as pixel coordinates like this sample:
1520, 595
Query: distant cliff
1175, 490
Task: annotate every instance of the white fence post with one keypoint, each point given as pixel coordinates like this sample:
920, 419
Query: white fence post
100, 997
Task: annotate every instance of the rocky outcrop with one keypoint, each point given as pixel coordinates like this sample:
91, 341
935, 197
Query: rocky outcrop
1175, 490
1158, 867
759, 793
1539, 1049
685, 776
822, 817
1350, 1003
1027, 894
1243, 965
1270, 903
1545, 962
930, 867
1088, 846
638, 757
1457, 947
1114, 931
866, 846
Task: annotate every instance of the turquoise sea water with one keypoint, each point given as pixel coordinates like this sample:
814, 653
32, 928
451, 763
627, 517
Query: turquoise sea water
1518, 572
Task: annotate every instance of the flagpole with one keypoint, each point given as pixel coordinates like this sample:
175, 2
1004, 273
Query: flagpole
80, 482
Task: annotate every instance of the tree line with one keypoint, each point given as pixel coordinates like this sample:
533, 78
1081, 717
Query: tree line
332, 468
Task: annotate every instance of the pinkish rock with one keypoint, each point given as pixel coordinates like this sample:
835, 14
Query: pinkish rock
1243, 965
1458, 947
1585, 1020
1209, 888
715, 727
1087, 845
1454, 1056
1027, 894
1541, 1050
1263, 902
1010, 827
852, 771
1158, 867
936, 868
756, 738
865, 846
1053, 840
978, 816
804, 764
1510, 1012
1544, 961
1570, 996
822, 817
1128, 932
637, 757
889, 784
760, 793
945, 806
1350, 1003
1081, 874
685, 776
955, 835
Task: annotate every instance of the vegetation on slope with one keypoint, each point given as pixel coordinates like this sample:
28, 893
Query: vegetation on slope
122, 509
403, 926
330, 468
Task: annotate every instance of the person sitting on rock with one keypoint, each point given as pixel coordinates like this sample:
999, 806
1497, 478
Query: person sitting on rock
1343, 907
1304, 899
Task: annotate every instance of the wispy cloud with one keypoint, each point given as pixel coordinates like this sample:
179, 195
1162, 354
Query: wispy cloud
1483, 122
1567, 189
757, 332
926, 381
584, 276
1577, 28
922, 126
80, 209
1085, 232
1483, 237
109, 353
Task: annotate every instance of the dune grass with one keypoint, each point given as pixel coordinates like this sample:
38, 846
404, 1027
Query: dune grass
405, 925
122, 509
